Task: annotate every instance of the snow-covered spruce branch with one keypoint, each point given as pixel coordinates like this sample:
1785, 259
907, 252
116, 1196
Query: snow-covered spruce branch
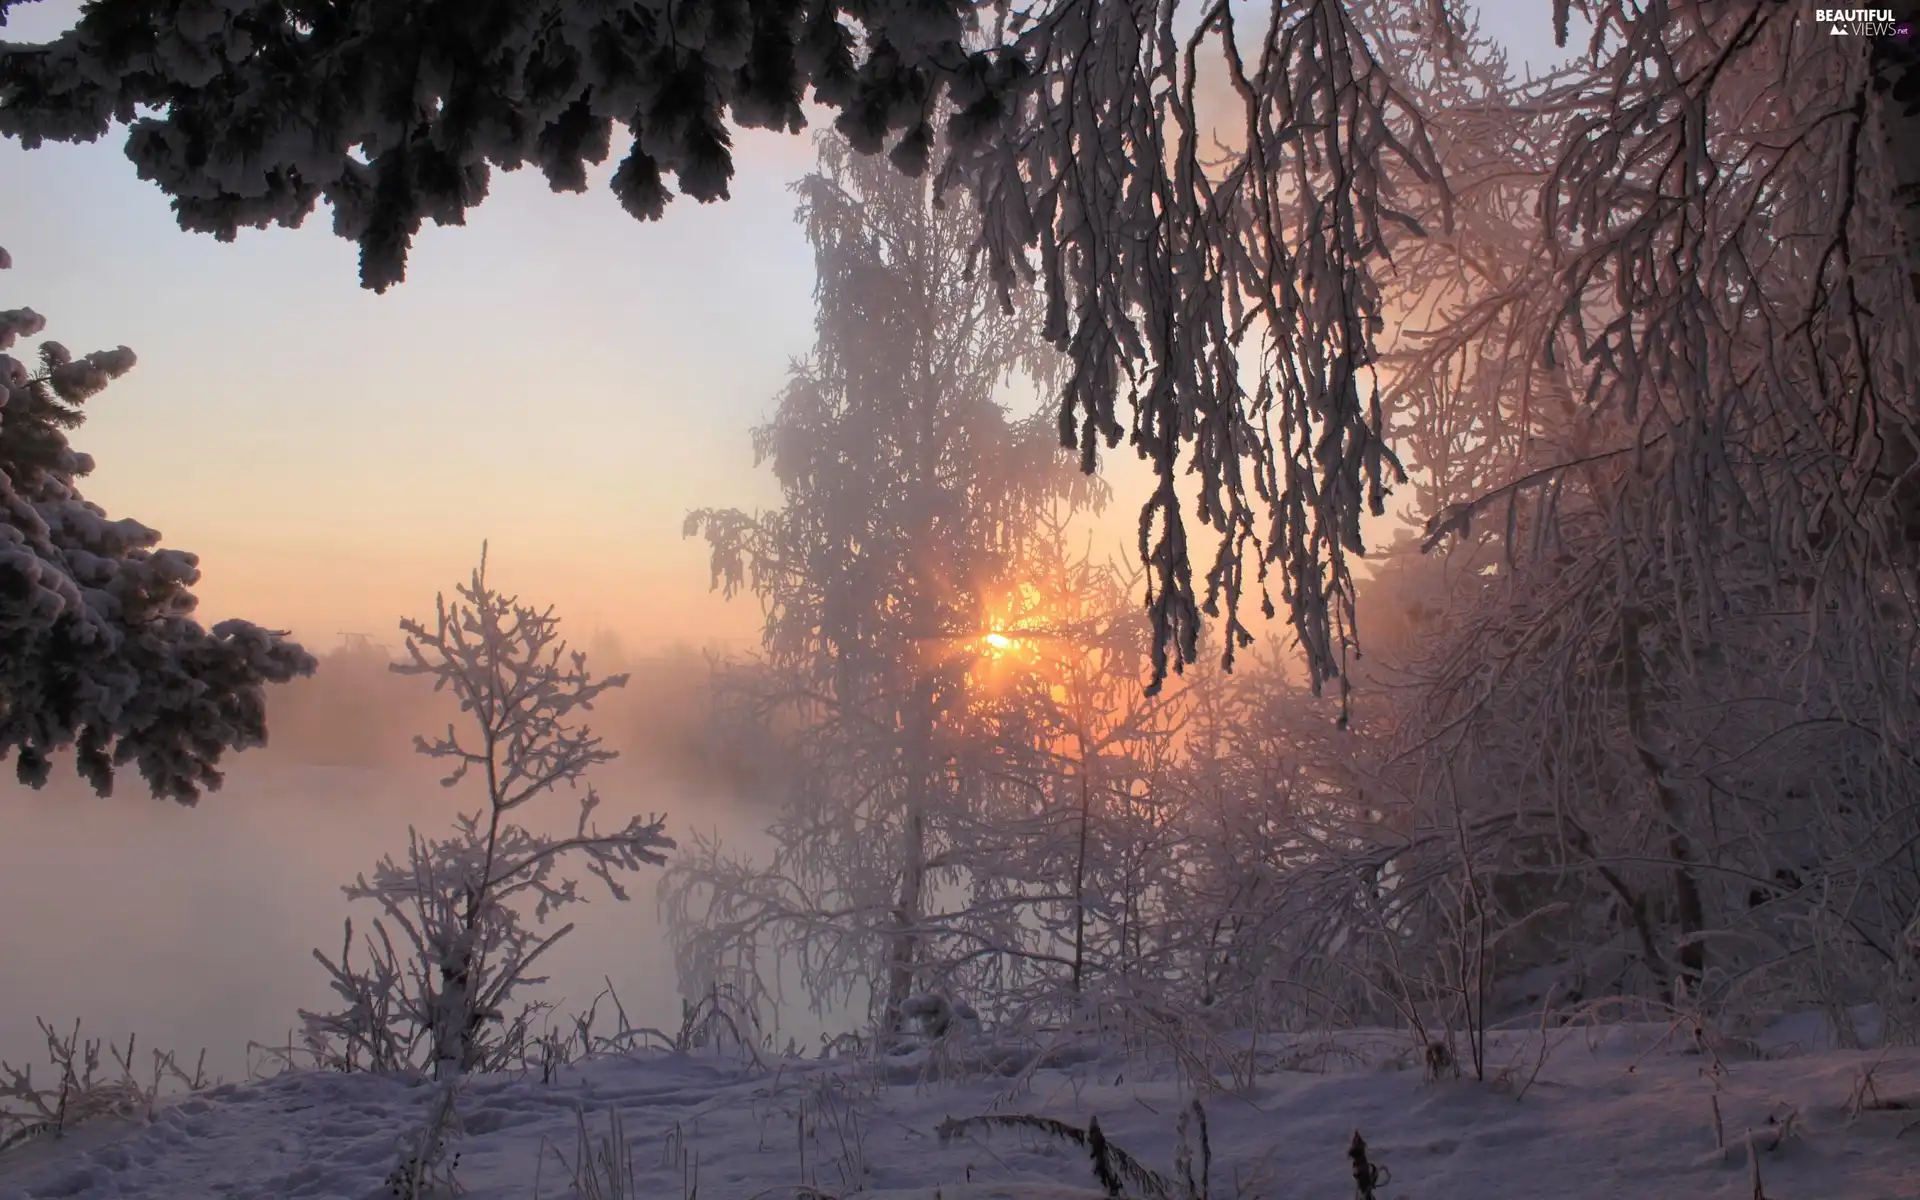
1082, 130
439, 1001
99, 651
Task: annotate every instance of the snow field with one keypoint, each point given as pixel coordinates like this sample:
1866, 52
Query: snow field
1607, 1112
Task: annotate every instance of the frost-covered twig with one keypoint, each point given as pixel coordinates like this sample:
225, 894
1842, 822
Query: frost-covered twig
1112, 1166
428, 1163
80, 1094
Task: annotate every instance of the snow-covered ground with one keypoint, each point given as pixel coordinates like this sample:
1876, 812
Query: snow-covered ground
1610, 1112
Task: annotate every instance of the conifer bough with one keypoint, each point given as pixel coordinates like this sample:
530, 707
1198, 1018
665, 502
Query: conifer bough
1203, 205
1168, 277
99, 650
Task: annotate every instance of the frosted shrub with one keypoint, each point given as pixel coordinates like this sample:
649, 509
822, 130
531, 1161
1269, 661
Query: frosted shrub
438, 999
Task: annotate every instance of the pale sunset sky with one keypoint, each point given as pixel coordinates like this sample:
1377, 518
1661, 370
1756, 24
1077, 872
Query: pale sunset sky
555, 377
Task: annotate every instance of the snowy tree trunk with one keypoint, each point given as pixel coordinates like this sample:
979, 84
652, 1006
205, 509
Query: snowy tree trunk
1080, 874
457, 1023
913, 871
1690, 909
1899, 123
453, 1018
456, 1019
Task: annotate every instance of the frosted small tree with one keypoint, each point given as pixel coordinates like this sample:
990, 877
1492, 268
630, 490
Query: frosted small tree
908, 492
457, 901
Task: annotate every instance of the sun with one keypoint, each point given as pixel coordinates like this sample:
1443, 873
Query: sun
998, 643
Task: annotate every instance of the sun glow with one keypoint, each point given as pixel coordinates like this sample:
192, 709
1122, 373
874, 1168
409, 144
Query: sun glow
998, 643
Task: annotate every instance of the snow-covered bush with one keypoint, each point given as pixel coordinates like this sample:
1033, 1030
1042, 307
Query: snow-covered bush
78, 1092
438, 1001
99, 651
1645, 729
936, 1015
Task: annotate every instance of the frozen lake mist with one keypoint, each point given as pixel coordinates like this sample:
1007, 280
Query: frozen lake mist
194, 927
